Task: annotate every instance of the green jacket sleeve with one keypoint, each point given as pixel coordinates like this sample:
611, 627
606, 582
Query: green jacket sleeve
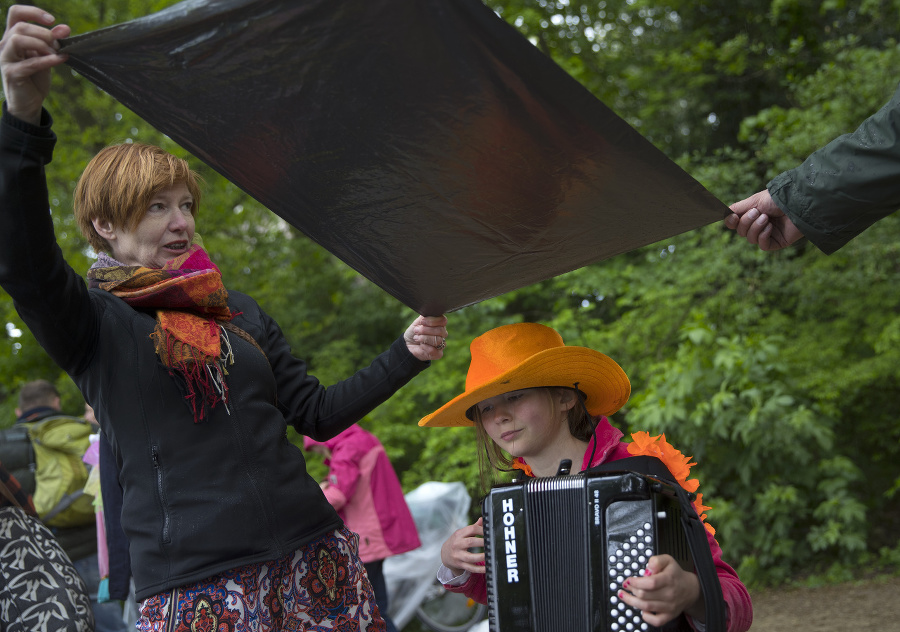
848, 185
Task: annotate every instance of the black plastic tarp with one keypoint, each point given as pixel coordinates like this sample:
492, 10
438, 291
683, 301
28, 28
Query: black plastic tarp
426, 143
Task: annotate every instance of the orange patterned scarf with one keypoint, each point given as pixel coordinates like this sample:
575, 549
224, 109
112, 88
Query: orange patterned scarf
191, 303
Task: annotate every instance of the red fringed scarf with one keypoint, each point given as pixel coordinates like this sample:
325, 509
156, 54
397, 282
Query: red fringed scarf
190, 302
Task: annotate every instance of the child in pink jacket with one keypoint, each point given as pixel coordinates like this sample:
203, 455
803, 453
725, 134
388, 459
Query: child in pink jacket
364, 489
536, 401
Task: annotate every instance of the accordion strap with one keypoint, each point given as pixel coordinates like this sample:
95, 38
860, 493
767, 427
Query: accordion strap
694, 531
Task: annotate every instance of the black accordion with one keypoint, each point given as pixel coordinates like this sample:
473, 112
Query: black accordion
558, 549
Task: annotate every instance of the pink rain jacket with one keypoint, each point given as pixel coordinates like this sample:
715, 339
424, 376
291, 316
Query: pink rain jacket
364, 489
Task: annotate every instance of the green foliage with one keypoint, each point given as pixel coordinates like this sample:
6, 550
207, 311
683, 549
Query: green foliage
832, 101
730, 401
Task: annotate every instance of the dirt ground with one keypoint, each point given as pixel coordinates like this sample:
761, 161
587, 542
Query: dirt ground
873, 605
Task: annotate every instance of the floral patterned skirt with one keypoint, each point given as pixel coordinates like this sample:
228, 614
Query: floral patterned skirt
322, 586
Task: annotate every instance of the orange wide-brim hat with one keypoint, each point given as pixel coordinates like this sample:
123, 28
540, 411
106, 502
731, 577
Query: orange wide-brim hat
529, 355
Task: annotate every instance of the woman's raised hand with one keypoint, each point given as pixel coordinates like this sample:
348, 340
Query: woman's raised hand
425, 337
28, 50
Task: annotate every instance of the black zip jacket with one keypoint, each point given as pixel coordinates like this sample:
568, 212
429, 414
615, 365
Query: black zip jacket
199, 498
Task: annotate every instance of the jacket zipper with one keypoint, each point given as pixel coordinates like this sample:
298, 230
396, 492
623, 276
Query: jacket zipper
173, 610
160, 489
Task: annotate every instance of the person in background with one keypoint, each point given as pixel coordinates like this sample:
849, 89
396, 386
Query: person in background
535, 402
363, 487
834, 195
193, 383
39, 401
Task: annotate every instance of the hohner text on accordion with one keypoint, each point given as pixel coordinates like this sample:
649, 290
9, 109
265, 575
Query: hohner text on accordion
509, 540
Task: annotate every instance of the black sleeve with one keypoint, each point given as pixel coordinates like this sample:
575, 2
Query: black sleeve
323, 413
845, 187
49, 296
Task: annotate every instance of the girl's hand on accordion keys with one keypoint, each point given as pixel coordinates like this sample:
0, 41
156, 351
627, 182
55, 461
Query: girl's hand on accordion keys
664, 592
456, 554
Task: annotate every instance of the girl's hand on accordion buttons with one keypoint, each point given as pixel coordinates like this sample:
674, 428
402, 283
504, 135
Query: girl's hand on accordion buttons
456, 554
664, 592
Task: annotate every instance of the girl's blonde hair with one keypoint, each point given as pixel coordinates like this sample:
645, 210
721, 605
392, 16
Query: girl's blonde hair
492, 460
118, 183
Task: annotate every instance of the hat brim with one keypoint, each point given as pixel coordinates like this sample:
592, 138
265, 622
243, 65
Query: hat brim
603, 382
